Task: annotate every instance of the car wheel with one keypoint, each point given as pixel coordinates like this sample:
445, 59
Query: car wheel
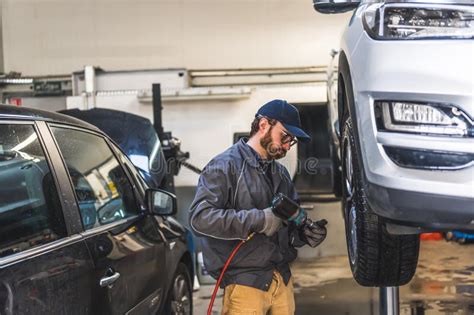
377, 258
180, 299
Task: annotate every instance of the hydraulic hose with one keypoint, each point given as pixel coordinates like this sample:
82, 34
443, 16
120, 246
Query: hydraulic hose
226, 265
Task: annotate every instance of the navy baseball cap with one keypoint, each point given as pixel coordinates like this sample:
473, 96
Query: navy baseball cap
287, 115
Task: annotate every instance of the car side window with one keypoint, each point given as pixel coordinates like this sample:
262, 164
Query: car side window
30, 209
103, 191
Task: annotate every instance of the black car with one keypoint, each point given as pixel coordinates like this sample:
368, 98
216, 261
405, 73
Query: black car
80, 230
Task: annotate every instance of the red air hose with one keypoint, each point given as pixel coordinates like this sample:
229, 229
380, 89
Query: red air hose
227, 263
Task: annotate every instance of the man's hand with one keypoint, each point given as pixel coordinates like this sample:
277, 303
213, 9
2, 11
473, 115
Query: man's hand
272, 223
312, 233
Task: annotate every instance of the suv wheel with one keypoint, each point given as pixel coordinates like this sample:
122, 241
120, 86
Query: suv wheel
180, 299
377, 258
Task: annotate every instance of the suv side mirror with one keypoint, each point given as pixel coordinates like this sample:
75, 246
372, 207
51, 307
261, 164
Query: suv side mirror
161, 202
335, 6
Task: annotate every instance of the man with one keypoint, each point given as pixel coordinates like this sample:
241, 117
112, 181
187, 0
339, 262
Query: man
233, 200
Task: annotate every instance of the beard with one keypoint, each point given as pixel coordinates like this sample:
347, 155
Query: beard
273, 150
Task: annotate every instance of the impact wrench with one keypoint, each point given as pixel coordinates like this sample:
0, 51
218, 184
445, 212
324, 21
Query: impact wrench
285, 209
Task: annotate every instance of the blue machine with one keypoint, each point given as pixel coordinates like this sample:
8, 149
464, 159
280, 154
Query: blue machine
461, 237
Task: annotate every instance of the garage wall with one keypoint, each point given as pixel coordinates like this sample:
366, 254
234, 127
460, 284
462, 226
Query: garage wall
61, 36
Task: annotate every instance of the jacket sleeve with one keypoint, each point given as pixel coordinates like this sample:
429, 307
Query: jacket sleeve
209, 215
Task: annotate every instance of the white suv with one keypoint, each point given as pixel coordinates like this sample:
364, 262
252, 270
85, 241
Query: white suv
401, 113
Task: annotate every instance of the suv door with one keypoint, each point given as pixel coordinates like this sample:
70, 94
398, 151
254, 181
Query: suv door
124, 242
44, 264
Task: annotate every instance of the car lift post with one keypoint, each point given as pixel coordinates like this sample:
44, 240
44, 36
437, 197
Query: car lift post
389, 301
157, 110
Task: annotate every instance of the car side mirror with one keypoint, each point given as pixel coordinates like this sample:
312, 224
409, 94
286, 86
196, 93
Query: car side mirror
161, 202
335, 6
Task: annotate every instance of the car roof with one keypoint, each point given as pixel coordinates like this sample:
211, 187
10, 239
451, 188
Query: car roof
11, 112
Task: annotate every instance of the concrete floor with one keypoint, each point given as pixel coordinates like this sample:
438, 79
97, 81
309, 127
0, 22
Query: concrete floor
443, 284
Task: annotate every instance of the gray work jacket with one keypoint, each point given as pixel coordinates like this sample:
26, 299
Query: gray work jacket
233, 190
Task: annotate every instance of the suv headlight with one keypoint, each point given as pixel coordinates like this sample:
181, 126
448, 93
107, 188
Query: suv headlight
423, 118
419, 21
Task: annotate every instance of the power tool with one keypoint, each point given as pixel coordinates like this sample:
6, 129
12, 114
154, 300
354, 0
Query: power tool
289, 211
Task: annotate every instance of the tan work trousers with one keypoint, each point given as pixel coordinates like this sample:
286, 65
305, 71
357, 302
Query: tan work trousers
244, 300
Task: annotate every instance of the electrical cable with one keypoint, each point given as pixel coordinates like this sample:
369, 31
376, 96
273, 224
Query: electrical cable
226, 265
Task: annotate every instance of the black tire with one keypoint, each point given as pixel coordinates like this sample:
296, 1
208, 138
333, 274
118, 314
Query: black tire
377, 258
180, 298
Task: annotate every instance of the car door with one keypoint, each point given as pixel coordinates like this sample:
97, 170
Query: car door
44, 264
125, 243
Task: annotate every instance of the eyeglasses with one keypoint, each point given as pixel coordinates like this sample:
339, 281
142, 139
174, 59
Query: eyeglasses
288, 138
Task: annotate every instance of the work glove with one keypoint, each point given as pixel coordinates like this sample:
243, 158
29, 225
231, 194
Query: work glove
272, 223
313, 233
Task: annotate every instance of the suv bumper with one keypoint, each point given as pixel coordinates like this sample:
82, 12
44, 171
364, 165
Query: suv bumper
423, 210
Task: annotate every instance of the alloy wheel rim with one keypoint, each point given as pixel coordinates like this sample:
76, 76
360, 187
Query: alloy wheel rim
180, 304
